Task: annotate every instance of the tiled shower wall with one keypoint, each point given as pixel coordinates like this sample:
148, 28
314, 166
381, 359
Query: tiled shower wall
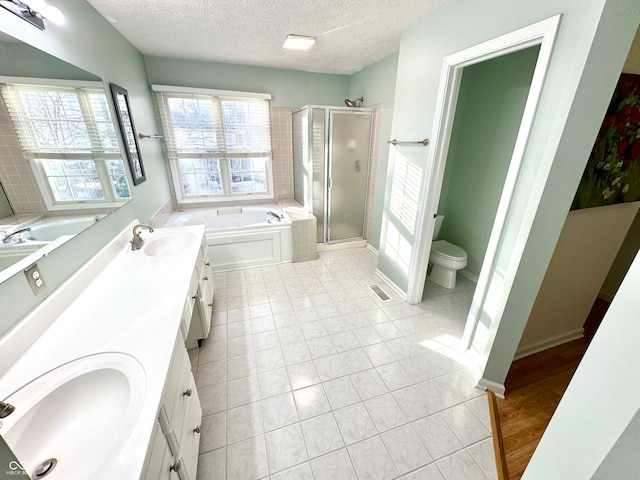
15, 173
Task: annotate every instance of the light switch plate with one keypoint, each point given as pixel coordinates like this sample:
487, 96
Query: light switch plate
34, 278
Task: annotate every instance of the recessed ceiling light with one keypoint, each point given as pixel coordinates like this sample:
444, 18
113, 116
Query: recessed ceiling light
298, 42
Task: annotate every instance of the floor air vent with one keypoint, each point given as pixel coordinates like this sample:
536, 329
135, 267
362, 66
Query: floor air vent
382, 295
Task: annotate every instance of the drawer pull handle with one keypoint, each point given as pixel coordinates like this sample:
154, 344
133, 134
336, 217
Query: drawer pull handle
176, 466
187, 392
197, 429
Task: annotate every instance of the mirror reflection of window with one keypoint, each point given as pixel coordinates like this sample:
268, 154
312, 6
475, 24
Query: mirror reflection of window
67, 134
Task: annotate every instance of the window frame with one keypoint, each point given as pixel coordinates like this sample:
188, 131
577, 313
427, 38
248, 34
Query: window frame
36, 158
222, 155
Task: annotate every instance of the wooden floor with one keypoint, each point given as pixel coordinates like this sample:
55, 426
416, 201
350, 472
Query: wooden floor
534, 387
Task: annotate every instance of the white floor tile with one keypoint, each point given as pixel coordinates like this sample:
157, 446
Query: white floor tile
368, 383
385, 412
371, 460
303, 359
247, 460
273, 382
311, 401
334, 466
437, 436
465, 424
213, 432
303, 375
321, 435
279, 411
244, 422
286, 448
341, 392
299, 472
406, 449
355, 423
460, 466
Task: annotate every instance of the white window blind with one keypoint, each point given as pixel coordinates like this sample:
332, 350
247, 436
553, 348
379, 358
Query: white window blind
219, 146
68, 136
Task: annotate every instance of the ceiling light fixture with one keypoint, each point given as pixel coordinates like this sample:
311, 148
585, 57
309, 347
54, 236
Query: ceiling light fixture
298, 42
34, 11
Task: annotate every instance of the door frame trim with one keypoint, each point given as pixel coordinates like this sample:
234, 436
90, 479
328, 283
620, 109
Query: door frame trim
542, 33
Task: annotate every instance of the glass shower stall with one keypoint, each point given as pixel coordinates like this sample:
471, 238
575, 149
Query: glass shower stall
331, 149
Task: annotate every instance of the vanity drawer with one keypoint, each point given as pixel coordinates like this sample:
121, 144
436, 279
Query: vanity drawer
189, 305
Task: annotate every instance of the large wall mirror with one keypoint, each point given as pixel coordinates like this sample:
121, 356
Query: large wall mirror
61, 168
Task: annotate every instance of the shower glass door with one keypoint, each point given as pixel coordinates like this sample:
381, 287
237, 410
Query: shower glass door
350, 134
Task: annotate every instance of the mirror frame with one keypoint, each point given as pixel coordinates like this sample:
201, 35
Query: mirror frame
128, 131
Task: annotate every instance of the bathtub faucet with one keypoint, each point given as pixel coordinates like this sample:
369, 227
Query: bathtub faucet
137, 241
275, 215
7, 238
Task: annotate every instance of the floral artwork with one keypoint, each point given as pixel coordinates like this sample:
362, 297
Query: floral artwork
612, 174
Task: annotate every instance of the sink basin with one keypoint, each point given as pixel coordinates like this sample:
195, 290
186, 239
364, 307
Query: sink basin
77, 416
168, 243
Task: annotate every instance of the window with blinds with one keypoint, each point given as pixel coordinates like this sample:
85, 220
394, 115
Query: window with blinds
68, 137
218, 145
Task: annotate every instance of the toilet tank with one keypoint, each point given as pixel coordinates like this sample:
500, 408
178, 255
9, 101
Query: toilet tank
436, 229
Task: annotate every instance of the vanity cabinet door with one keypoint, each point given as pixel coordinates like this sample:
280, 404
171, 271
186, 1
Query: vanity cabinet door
159, 457
201, 320
190, 441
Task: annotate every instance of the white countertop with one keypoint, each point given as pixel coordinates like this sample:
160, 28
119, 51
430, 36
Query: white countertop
133, 306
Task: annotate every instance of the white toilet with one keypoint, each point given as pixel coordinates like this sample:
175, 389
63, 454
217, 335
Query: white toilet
446, 259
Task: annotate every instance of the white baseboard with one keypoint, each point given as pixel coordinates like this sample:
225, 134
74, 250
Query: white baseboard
497, 388
394, 287
328, 247
372, 249
465, 273
526, 350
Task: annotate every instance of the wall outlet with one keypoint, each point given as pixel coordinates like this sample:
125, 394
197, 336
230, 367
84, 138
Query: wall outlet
34, 278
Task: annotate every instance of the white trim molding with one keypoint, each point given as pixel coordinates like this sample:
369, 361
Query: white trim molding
209, 91
526, 350
398, 291
497, 388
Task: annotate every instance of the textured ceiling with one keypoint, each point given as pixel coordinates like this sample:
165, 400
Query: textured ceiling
351, 34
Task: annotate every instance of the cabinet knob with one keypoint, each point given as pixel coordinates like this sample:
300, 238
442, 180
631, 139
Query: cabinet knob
205, 278
176, 466
187, 392
197, 429
208, 264
210, 305
195, 297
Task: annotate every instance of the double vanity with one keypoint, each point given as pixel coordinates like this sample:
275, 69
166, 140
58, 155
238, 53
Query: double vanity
99, 376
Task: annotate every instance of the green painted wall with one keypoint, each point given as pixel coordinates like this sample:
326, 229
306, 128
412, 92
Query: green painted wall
89, 42
21, 60
377, 84
488, 114
289, 88
589, 50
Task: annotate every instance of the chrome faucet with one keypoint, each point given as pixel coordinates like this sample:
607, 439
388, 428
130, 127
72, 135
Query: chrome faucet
7, 238
137, 241
6, 409
275, 215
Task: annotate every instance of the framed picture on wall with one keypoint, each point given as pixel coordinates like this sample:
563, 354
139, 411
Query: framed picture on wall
128, 131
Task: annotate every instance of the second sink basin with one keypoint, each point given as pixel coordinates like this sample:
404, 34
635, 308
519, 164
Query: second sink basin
72, 421
164, 244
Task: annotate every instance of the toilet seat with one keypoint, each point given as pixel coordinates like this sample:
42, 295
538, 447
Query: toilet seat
448, 251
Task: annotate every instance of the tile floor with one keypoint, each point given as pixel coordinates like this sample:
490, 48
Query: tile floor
308, 375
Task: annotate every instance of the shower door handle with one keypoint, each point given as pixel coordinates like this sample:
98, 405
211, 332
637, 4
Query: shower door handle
356, 165
330, 183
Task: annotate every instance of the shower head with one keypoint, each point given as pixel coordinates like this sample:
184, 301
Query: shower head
353, 103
